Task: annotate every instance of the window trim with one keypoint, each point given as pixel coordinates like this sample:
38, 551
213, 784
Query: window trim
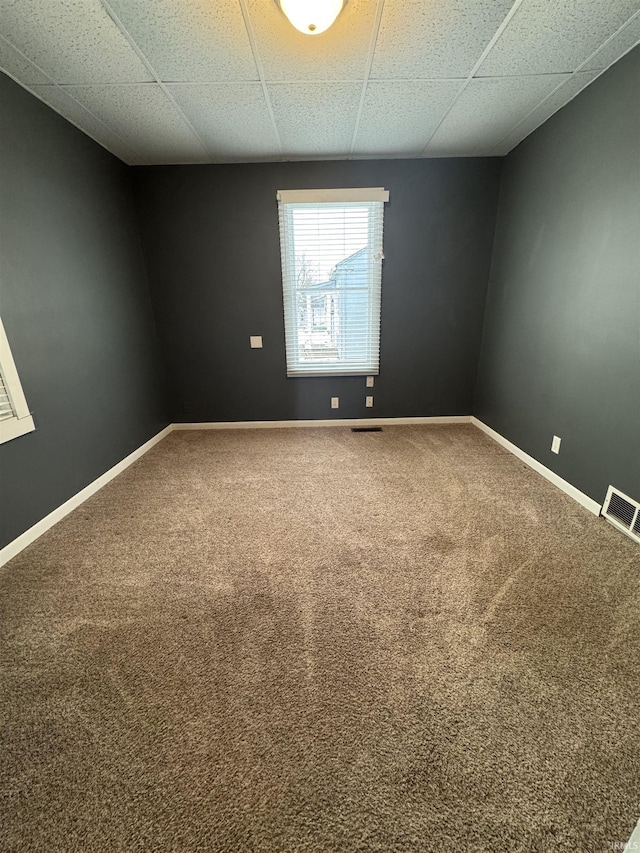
22, 421
328, 196
376, 196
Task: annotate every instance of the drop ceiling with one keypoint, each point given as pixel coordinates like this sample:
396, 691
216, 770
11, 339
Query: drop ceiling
205, 81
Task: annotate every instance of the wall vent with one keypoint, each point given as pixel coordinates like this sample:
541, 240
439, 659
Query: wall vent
623, 512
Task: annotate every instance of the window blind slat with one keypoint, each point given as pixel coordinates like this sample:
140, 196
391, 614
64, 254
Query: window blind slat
331, 274
6, 409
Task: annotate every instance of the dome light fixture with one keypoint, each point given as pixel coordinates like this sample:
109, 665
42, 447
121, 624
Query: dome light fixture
312, 17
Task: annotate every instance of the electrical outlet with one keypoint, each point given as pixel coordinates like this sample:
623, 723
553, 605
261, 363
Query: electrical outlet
255, 341
369, 381
335, 402
555, 444
369, 402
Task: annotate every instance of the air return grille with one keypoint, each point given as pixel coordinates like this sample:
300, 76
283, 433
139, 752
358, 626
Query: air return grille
623, 512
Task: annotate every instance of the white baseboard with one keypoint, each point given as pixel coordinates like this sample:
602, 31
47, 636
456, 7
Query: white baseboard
333, 422
634, 842
547, 473
9, 551
20, 543
30, 535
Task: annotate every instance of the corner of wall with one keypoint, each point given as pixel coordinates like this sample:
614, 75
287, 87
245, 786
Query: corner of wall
474, 401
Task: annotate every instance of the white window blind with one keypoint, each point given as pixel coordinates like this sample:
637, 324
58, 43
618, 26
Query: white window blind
331, 247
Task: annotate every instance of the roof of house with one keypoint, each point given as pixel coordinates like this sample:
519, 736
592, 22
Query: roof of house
331, 283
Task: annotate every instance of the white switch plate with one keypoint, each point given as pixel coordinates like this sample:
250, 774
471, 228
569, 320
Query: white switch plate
369, 402
256, 341
555, 444
369, 381
335, 402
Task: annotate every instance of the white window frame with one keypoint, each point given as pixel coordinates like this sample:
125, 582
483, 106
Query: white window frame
21, 422
296, 367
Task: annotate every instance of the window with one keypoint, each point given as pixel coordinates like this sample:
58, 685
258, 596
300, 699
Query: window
15, 418
331, 246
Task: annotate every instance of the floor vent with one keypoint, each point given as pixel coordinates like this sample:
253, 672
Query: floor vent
366, 429
623, 512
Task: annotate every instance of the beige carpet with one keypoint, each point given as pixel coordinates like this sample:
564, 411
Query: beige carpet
310, 640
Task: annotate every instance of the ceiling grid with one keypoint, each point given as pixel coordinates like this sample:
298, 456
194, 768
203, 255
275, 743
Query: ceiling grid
505, 23
192, 81
365, 83
116, 20
635, 19
29, 64
258, 61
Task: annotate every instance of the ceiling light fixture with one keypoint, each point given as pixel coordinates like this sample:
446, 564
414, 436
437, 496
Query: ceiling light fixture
312, 17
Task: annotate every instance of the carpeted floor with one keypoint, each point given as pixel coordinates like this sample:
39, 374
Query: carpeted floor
316, 640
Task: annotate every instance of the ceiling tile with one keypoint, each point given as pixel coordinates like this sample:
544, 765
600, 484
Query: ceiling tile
231, 118
553, 103
441, 38
18, 67
61, 101
199, 40
340, 53
487, 110
617, 47
315, 119
74, 41
399, 117
145, 119
547, 37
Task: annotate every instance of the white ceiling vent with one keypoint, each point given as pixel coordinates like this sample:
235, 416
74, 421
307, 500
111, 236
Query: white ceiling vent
623, 512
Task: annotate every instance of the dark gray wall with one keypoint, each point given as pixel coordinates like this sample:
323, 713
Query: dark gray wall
76, 308
212, 248
561, 345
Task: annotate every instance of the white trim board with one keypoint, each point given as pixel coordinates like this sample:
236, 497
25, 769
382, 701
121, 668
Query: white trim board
336, 196
333, 422
547, 473
634, 842
13, 548
20, 543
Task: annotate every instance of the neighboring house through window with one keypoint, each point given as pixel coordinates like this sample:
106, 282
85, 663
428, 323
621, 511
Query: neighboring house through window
15, 418
331, 246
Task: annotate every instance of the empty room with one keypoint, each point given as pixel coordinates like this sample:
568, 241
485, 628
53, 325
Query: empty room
319, 426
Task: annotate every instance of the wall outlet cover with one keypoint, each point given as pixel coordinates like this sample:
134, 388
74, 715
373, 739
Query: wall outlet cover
369, 402
369, 381
255, 341
555, 444
335, 402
